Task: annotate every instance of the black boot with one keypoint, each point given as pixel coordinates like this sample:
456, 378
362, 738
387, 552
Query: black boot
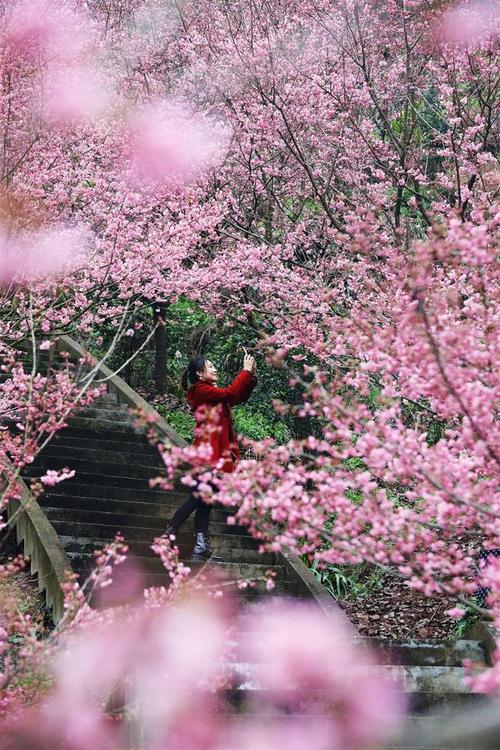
202, 550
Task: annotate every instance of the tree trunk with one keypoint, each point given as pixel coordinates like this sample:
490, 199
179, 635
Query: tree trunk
160, 370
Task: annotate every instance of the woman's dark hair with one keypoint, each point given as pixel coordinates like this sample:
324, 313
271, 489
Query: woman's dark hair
191, 374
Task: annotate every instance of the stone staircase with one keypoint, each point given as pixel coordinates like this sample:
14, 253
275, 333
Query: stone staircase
110, 492
430, 673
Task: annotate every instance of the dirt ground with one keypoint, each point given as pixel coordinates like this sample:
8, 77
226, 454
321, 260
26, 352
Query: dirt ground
23, 588
395, 611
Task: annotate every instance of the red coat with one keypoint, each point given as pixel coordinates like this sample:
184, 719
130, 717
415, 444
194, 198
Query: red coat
223, 440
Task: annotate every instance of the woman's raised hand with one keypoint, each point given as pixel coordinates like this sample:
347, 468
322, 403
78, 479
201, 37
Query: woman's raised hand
249, 363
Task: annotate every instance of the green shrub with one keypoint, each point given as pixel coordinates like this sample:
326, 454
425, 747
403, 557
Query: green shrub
181, 421
256, 426
347, 582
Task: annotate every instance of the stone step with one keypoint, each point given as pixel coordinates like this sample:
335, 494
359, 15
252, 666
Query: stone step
321, 701
102, 426
110, 397
87, 545
153, 564
113, 412
161, 504
103, 533
48, 372
447, 680
411, 653
436, 679
438, 730
119, 590
109, 440
162, 508
251, 609
117, 456
89, 477
123, 522
313, 706
426, 653
413, 733
428, 700
99, 468
128, 582
76, 487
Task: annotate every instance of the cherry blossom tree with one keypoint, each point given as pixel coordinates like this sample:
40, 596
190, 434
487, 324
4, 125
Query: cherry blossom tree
322, 173
364, 222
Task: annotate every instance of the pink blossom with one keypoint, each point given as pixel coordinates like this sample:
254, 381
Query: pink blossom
366, 248
31, 22
456, 612
52, 477
296, 733
326, 661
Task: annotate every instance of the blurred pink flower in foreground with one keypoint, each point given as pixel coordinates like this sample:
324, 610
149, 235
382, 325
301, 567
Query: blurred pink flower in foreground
309, 662
51, 26
64, 44
31, 22
30, 255
471, 22
77, 93
156, 665
169, 144
166, 670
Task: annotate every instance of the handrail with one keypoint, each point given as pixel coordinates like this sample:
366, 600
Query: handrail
43, 547
41, 541
488, 634
305, 583
125, 393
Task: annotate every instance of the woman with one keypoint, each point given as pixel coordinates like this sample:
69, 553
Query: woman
202, 395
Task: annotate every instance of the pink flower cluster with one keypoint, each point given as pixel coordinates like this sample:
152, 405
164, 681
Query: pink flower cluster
51, 478
33, 408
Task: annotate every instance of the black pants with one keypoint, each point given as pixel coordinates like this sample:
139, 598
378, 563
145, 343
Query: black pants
201, 513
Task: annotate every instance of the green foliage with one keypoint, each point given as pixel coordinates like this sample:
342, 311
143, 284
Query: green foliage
355, 495
257, 426
435, 431
463, 626
189, 331
354, 462
347, 582
373, 396
251, 425
333, 578
181, 421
